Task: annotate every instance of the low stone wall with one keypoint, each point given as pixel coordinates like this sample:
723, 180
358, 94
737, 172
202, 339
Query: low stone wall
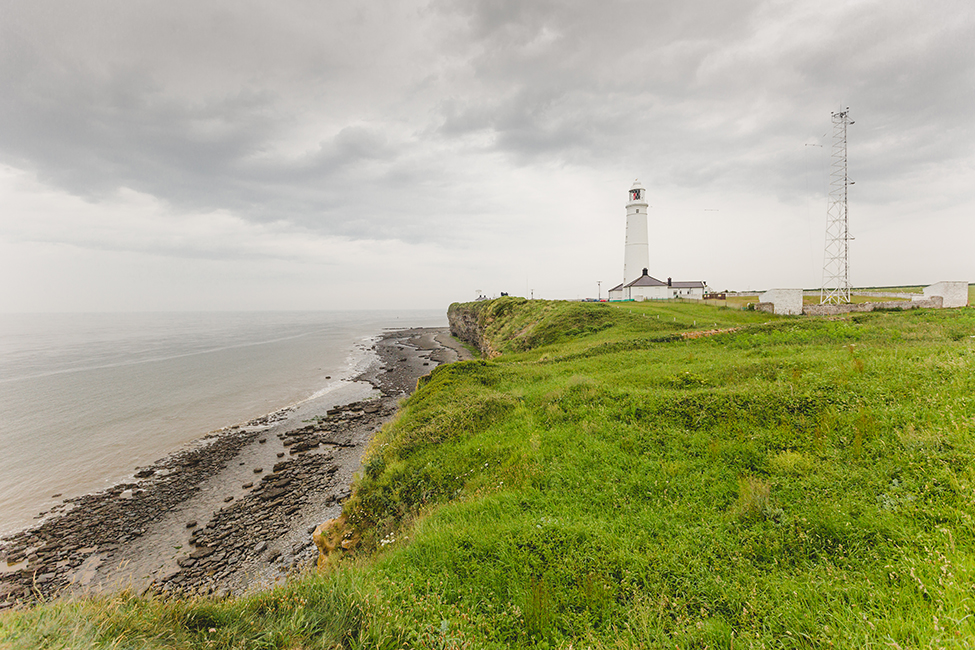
889, 294
934, 302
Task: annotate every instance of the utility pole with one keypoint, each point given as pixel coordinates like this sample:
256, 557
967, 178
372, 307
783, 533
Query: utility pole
836, 260
599, 290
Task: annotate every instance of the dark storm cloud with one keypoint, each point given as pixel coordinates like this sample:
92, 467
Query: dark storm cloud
319, 114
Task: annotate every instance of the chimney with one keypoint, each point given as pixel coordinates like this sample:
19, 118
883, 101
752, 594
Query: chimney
646, 272
669, 282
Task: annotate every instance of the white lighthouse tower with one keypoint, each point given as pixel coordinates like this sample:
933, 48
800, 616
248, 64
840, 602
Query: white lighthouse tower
636, 254
637, 283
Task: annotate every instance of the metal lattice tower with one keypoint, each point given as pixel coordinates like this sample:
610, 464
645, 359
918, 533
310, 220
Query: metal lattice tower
836, 262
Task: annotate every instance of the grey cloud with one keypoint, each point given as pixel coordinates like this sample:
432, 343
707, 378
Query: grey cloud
122, 133
713, 93
318, 114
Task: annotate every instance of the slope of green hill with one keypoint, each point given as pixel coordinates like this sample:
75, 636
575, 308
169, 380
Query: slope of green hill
606, 481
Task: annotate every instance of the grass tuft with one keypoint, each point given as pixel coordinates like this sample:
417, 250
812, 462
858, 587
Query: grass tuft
753, 498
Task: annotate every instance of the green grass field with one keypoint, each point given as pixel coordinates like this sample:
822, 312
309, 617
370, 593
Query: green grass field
607, 482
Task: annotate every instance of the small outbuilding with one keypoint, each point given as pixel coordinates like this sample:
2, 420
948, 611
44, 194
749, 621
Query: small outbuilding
953, 294
786, 302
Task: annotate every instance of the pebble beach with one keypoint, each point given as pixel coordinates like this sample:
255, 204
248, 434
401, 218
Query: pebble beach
228, 514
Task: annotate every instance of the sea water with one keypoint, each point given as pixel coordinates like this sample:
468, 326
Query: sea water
85, 398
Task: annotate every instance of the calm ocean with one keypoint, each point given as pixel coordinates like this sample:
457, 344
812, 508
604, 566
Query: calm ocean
85, 398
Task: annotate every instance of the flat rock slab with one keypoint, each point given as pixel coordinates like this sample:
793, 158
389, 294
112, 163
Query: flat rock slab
201, 552
273, 493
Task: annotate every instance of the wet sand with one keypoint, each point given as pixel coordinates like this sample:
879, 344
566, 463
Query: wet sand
234, 512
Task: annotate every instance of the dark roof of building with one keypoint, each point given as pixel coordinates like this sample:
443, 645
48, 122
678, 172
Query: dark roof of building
647, 281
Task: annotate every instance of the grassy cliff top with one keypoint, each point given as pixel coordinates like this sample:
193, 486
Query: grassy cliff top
628, 476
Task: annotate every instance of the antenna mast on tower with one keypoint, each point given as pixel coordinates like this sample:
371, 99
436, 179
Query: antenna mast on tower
836, 262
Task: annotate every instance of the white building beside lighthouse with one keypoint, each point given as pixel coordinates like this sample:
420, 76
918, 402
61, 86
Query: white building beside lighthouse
637, 283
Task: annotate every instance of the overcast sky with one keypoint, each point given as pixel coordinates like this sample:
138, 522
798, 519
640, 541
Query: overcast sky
313, 155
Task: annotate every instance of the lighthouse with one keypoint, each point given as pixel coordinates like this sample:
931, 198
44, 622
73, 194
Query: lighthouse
637, 282
636, 253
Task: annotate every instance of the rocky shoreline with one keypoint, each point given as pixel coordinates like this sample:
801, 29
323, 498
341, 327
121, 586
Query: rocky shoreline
233, 513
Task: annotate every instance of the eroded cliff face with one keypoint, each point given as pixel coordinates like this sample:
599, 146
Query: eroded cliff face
466, 326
